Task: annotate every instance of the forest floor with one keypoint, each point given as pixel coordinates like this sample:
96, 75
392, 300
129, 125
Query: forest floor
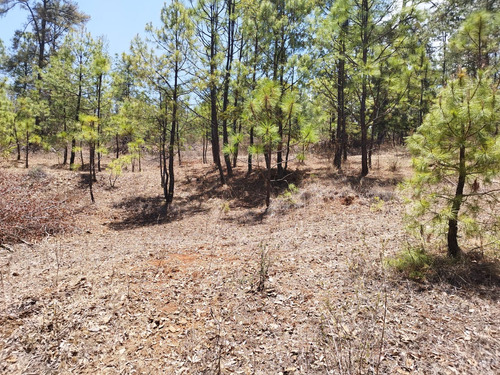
220, 285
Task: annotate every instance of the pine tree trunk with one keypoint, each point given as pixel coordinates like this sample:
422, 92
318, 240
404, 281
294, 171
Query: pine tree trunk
77, 114
91, 171
227, 77
27, 149
117, 140
214, 124
339, 144
268, 177
99, 96
454, 249
72, 155
250, 161
364, 89
173, 132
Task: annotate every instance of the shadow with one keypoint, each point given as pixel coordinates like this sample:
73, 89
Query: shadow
248, 217
241, 191
364, 184
149, 211
473, 272
59, 166
244, 191
84, 180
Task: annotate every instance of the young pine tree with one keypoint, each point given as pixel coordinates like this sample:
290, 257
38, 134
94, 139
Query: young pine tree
456, 153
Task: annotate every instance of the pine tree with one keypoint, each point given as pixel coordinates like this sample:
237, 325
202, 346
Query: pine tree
456, 152
174, 40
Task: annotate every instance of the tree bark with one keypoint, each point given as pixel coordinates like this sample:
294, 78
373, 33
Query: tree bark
214, 124
27, 148
339, 144
254, 84
77, 114
99, 96
364, 89
92, 171
454, 249
227, 77
173, 132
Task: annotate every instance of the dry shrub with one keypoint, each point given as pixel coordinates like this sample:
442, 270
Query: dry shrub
29, 210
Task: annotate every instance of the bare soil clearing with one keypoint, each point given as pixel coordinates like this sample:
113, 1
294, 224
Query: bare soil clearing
135, 290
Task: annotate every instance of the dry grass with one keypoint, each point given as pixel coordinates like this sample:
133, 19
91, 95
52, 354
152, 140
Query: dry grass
31, 207
141, 290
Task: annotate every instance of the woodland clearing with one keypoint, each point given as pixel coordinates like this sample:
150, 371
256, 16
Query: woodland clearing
220, 285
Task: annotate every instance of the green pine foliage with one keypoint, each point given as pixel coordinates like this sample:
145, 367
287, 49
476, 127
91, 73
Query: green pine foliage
7, 116
456, 155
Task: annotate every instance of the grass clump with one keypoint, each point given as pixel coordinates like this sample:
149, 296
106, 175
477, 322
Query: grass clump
413, 262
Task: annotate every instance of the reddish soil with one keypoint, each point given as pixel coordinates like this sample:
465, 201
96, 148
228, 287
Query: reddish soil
130, 288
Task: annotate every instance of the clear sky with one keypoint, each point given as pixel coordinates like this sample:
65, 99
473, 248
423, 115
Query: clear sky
118, 20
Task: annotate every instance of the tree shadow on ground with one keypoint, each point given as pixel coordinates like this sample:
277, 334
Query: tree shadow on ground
149, 211
474, 273
242, 190
84, 180
365, 185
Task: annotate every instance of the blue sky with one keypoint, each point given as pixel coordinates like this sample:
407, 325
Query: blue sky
118, 20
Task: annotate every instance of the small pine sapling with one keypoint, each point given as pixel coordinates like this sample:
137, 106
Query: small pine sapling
455, 152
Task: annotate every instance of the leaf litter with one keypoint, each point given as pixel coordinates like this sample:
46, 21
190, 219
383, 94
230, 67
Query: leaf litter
133, 289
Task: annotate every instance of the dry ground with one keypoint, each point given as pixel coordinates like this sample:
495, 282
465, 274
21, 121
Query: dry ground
219, 285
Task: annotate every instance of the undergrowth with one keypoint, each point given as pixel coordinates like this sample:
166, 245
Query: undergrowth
412, 262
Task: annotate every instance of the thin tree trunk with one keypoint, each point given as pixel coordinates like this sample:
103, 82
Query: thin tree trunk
81, 156
91, 170
227, 77
77, 114
370, 149
254, 84
178, 145
423, 82
72, 156
268, 177
99, 129
173, 132
289, 134
443, 77
454, 249
214, 124
18, 145
215, 134
250, 161
65, 129
339, 144
289, 139
204, 146
236, 99
27, 149
364, 90
117, 146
